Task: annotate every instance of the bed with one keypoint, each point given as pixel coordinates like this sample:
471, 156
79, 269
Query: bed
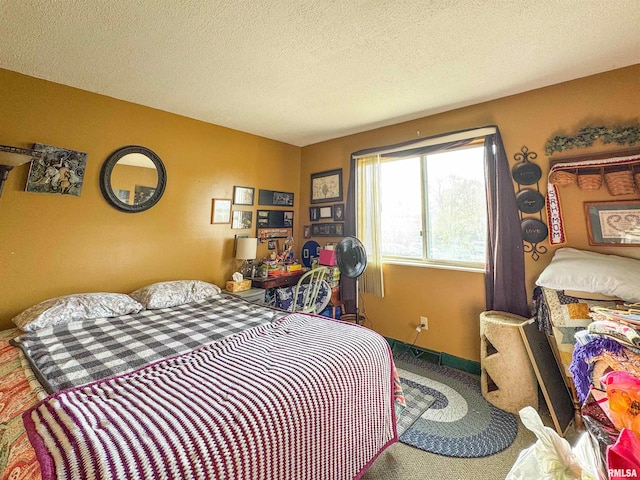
574, 283
212, 387
561, 316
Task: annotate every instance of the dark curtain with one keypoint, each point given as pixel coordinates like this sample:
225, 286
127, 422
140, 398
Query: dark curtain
504, 275
348, 285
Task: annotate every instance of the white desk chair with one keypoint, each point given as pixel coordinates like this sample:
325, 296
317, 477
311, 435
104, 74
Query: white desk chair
310, 295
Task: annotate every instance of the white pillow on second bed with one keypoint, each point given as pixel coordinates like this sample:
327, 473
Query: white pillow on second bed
611, 275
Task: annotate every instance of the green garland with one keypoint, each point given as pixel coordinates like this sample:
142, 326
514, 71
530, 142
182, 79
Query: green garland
587, 135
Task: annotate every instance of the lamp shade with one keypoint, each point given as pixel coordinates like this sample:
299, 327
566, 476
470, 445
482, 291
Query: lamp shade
247, 248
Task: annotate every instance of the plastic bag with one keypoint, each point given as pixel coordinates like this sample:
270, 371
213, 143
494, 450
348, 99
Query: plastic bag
601, 430
623, 390
623, 458
550, 458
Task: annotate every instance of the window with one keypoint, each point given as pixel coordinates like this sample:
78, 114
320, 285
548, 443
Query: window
434, 208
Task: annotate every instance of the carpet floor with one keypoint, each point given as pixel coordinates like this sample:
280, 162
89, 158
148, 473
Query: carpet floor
403, 462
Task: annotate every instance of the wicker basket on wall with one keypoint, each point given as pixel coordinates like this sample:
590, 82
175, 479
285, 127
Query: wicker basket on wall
619, 182
562, 178
590, 179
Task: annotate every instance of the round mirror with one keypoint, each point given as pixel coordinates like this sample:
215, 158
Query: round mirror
133, 179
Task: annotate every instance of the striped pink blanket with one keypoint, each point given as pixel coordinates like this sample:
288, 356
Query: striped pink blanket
301, 398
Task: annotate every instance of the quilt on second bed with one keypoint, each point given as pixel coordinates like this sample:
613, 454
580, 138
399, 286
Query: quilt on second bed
561, 316
80, 352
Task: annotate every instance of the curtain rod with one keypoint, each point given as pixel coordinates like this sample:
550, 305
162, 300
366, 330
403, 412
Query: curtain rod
425, 142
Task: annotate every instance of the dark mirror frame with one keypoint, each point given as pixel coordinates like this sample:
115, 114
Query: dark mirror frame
107, 169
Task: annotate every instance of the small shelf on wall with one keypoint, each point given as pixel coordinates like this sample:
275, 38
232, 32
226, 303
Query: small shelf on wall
619, 171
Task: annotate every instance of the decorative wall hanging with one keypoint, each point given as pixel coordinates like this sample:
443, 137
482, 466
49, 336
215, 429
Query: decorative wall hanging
264, 234
327, 229
310, 250
243, 195
586, 136
58, 170
133, 179
326, 186
275, 219
326, 212
270, 197
530, 201
613, 223
241, 219
620, 171
221, 210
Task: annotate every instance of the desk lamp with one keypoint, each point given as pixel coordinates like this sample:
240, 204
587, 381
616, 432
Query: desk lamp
12, 157
247, 251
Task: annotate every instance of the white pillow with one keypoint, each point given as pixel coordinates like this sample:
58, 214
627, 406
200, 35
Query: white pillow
572, 269
174, 293
81, 306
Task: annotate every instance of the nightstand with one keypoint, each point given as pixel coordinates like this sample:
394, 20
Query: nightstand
253, 295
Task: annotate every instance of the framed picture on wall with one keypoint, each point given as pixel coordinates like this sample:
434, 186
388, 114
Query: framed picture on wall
242, 219
327, 229
221, 210
243, 195
271, 197
326, 186
613, 223
338, 212
326, 212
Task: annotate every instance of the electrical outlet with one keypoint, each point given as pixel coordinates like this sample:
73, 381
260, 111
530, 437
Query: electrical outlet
424, 324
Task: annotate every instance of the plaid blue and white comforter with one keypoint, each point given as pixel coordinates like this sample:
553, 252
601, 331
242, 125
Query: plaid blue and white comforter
80, 352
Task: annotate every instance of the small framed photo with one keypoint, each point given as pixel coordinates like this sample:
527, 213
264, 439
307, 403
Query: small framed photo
221, 210
242, 219
613, 223
271, 197
288, 219
326, 212
326, 186
327, 230
338, 212
243, 195
272, 244
314, 214
307, 231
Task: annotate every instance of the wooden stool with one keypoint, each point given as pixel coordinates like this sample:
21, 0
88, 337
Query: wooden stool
335, 302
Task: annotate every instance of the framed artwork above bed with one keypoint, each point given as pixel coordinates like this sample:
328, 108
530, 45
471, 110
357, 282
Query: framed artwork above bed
613, 223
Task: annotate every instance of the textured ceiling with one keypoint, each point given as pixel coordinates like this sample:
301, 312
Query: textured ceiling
306, 71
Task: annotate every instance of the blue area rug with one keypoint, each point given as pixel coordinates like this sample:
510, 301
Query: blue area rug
451, 417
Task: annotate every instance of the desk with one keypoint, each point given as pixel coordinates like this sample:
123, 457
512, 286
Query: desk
276, 281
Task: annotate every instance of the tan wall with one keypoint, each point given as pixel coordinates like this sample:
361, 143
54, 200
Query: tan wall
55, 244
454, 300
